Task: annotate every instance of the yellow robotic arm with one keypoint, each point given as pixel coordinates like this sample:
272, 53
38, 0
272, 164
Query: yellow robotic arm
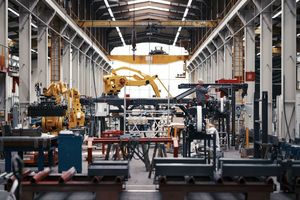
114, 83
74, 115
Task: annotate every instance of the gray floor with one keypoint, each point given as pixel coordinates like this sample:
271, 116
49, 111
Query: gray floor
140, 187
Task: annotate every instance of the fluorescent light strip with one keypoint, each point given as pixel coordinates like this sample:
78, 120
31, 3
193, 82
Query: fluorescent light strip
143, 1
183, 19
114, 19
277, 14
17, 14
149, 7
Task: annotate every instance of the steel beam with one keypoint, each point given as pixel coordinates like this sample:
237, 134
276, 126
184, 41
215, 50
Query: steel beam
25, 64
42, 59
75, 69
179, 169
221, 26
251, 170
66, 64
4, 78
146, 59
288, 64
63, 15
214, 67
266, 56
130, 23
82, 65
220, 63
88, 77
228, 60
250, 67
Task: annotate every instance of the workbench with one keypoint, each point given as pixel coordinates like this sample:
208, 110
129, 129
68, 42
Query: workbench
131, 144
21, 144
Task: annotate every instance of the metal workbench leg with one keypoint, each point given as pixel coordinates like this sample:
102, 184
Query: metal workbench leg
258, 195
173, 195
41, 160
50, 158
7, 155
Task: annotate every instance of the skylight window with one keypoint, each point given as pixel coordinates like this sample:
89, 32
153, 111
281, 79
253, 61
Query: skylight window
149, 7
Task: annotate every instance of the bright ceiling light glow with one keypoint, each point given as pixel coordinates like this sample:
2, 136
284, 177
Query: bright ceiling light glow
277, 14
149, 7
143, 1
14, 12
114, 19
183, 19
17, 14
106, 3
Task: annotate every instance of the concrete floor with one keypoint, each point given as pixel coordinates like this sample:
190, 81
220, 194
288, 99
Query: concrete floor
140, 187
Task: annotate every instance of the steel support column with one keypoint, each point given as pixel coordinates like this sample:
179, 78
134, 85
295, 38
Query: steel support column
250, 68
25, 64
42, 59
214, 67
101, 81
75, 69
87, 77
288, 64
208, 64
228, 60
66, 64
92, 76
4, 78
220, 63
266, 57
205, 80
82, 66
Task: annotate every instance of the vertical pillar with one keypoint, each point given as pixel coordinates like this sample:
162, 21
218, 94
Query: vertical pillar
101, 81
250, 69
82, 66
204, 71
220, 62
87, 76
92, 76
42, 60
208, 67
25, 63
75, 69
266, 57
4, 78
228, 60
288, 64
214, 67
66, 64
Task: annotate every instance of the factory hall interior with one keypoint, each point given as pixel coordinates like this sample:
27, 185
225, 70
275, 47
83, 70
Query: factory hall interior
149, 100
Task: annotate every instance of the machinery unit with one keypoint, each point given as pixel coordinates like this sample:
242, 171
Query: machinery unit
69, 151
114, 82
58, 107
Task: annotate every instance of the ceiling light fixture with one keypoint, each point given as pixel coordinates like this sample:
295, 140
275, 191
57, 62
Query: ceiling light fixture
149, 7
154, 1
183, 19
114, 19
